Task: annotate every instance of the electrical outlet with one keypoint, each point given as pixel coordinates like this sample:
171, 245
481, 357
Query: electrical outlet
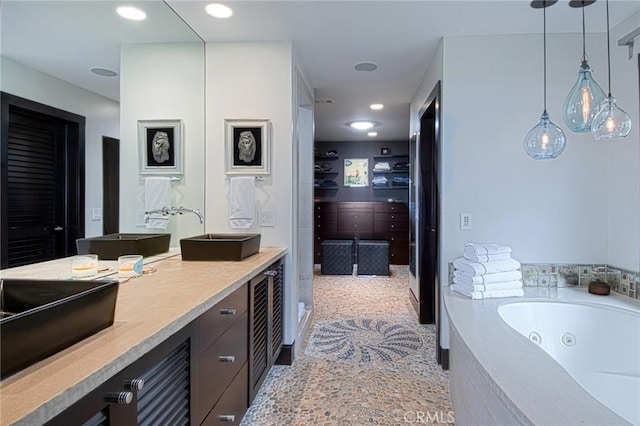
96, 214
465, 221
267, 218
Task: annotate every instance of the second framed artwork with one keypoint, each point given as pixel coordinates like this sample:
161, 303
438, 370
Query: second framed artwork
248, 146
160, 145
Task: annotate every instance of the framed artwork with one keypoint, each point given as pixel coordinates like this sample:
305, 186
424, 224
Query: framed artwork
248, 146
160, 147
384, 151
356, 172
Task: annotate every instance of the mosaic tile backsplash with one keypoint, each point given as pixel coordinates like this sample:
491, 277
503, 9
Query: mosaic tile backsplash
622, 281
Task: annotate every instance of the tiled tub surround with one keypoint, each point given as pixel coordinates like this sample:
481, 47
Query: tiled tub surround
497, 376
548, 275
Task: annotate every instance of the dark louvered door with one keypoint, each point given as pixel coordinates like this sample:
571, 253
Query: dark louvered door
35, 209
42, 190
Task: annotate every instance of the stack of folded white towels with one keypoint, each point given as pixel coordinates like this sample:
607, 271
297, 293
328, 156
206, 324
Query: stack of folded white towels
487, 271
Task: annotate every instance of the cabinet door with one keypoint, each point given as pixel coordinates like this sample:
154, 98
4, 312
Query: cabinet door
265, 324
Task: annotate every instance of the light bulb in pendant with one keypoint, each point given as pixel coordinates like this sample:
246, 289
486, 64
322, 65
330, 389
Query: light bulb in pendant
612, 122
545, 140
583, 102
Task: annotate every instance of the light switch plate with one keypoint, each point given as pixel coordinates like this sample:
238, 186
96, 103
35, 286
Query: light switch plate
267, 218
465, 221
96, 213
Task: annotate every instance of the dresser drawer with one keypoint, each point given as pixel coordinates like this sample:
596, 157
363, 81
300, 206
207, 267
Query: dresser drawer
216, 320
354, 207
326, 229
385, 227
391, 208
234, 402
219, 364
323, 208
326, 216
391, 217
399, 255
355, 225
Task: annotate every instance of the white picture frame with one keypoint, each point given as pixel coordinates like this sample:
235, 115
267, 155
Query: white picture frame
247, 146
161, 147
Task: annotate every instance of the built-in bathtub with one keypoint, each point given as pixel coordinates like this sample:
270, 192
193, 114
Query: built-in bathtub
506, 373
597, 344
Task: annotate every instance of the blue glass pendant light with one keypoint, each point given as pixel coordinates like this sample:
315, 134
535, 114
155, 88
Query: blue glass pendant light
584, 98
545, 140
611, 122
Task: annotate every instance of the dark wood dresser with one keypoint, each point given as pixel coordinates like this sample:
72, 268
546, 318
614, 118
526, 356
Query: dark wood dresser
365, 220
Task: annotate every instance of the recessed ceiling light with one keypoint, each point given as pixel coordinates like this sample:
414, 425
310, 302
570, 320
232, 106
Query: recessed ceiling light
218, 10
372, 134
366, 66
104, 72
361, 124
132, 13
376, 106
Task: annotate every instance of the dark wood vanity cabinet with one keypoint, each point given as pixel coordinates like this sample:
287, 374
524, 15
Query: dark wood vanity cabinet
206, 374
366, 221
266, 324
156, 389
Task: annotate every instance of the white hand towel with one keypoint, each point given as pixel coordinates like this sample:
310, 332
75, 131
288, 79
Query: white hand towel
242, 201
488, 294
157, 195
473, 248
511, 285
486, 257
499, 277
481, 268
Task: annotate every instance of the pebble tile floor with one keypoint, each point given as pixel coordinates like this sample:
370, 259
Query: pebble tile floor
366, 361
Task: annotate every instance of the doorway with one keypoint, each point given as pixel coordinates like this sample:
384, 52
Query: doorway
110, 185
425, 221
42, 190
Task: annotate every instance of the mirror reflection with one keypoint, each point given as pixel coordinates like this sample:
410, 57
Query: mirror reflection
75, 83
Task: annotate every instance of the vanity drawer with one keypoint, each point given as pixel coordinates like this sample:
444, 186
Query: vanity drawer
233, 404
219, 364
216, 320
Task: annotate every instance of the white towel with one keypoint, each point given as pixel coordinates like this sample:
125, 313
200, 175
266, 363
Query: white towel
511, 285
463, 277
476, 249
486, 257
481, 268
157, 195
242, 202
488, 294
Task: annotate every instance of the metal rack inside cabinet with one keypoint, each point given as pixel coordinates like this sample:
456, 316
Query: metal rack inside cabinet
394, 168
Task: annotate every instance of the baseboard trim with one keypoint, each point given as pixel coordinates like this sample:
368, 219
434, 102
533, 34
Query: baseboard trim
286, 355
444, 358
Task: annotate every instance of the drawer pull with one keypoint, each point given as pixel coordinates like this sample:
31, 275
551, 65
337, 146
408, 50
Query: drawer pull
119, 397
227, 358
134, 384
271, 273
227, 418
227, 311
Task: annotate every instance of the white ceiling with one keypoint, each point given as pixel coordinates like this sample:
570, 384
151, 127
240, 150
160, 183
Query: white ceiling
65, 38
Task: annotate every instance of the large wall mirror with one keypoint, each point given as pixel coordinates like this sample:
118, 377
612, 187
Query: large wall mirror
48, 52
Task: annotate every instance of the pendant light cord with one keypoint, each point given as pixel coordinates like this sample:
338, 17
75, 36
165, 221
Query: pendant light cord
584, 48
608, 50
544, 49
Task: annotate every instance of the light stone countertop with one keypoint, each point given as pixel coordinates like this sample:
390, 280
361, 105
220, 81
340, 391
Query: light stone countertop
149, 309
528, 381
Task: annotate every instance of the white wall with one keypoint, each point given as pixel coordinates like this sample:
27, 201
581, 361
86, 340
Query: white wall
163, 82
623, 156
253, 80
102, 119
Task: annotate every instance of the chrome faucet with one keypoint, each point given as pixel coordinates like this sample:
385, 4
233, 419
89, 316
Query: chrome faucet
166, 211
